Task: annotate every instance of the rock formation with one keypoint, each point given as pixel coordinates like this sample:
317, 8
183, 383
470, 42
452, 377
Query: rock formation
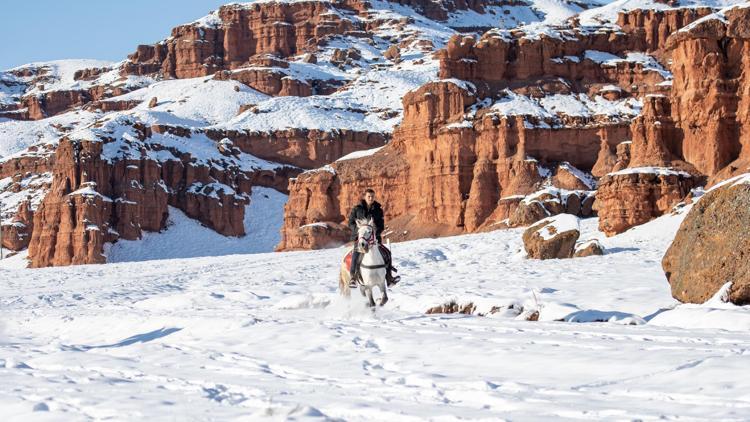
588, 248
701, 128
635, 196
96, 198
231, 36
552, 238
711, 247
710, 105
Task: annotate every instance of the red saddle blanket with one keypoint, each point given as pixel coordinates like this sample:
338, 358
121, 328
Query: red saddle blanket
383, 250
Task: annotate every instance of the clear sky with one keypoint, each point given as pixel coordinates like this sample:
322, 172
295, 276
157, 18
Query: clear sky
39, 30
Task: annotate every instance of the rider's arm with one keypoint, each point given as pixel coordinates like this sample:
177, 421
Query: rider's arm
353, 219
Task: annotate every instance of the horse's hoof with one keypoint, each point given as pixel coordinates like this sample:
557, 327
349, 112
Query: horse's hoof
383, 301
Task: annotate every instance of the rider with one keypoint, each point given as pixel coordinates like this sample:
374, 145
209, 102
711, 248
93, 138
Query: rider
370, 208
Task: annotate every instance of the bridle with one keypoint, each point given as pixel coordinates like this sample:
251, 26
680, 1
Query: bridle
371, 241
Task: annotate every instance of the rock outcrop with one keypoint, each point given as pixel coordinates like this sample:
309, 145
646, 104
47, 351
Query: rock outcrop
319, 236
97, 198
443, 175
638, 195
232, 35
303, 148
16, 234
709, 92
507, 60
649, 29
711, 247
552, 238
701, 128
588, 248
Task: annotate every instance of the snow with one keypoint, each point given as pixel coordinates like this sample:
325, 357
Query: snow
659, 171
648, 62
160, 147
586, 178
736, 180
187, 238
89, 191
607, 14
494, 17
16, 136
187, 323
557, 224
360, 154
59, 74
549, 108
266, 336
30, 187
610, 88
196, 102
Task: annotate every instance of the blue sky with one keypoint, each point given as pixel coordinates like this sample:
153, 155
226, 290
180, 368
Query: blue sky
37, 30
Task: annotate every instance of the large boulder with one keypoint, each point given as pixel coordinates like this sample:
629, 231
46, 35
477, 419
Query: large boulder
552, 238
712, 247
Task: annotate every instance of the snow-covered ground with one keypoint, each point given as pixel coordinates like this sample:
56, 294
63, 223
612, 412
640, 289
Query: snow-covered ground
265, 336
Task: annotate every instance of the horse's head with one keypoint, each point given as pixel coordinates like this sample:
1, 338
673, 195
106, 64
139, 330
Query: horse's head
366, 237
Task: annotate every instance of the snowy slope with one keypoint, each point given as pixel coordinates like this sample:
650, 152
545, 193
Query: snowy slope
187, 238
265, 337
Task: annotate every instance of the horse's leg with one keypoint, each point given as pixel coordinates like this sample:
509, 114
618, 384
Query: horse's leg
370, 300
384, 299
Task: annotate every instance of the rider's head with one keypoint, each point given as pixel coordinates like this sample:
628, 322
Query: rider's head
369, 196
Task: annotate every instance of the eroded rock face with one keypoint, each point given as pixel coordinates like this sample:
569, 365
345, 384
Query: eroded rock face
701, 128
711, 64
649, 29
711, 248
237, 33
301, 147
635, 196
656, 140
552, 238
319, 236
268, 81
442, 175
16, 235
95, 199
52, 103
496, 61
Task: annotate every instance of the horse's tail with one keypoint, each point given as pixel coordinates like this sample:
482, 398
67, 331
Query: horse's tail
344, 281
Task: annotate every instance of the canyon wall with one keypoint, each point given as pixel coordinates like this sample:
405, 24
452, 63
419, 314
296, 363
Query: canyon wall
446, 173
701, 129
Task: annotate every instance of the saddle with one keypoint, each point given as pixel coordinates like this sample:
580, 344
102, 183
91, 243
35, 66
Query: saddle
387, 258
384, 251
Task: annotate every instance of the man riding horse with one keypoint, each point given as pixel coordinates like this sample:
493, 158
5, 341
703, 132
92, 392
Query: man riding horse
369, 208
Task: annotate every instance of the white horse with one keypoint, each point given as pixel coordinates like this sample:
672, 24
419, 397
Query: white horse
371, 268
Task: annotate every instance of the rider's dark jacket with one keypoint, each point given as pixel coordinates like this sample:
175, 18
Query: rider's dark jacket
362, 211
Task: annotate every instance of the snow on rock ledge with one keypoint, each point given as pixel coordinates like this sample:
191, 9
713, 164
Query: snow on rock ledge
553, 237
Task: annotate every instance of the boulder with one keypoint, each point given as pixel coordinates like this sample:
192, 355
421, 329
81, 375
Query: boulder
712, 247
552, 238
527, 213
588, 248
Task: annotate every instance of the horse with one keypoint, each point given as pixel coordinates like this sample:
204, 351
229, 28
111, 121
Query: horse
371, 268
